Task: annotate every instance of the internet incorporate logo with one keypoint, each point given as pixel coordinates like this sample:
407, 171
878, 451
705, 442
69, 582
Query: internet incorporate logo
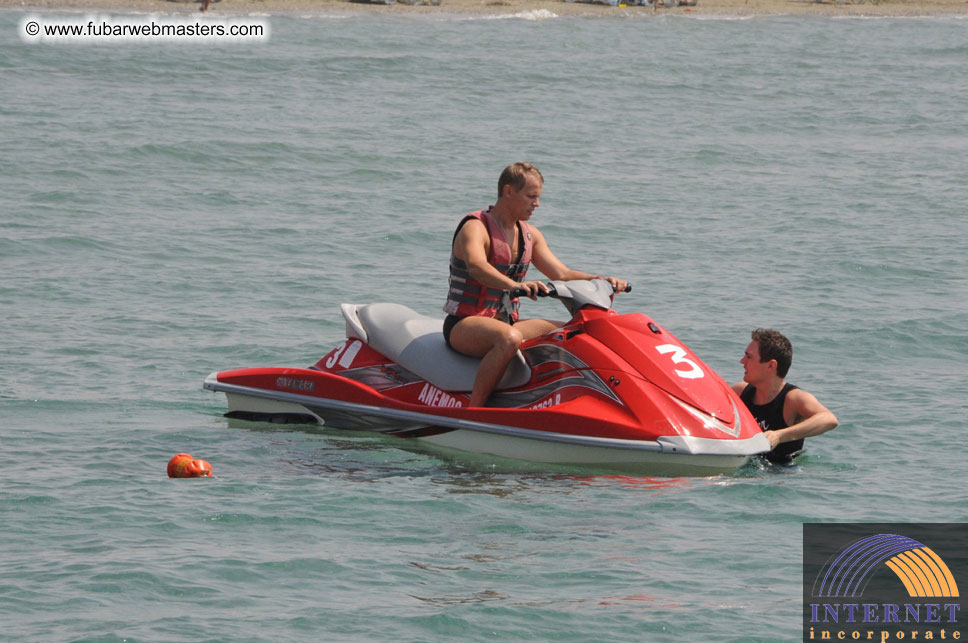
922, 571
882, 585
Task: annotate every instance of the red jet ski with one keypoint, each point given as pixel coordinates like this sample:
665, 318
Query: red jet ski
618, 392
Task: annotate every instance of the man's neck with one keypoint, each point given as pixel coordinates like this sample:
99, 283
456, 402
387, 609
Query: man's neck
767, 391
505, 220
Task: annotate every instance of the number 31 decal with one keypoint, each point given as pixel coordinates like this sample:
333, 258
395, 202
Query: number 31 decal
679, 357
345, 353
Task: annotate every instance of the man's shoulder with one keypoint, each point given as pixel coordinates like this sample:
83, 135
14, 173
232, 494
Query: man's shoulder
476, 215
792, 390
471, 221
798, 397
533, 229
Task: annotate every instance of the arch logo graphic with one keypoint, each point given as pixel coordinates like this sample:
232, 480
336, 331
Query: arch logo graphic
922, 571
883, 582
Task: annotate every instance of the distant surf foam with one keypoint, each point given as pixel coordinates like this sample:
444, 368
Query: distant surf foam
534, 14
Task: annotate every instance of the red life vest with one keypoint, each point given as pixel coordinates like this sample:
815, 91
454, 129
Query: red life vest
467, 297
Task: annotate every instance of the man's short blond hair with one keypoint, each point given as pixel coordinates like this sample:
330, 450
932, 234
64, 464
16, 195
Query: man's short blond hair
516, 175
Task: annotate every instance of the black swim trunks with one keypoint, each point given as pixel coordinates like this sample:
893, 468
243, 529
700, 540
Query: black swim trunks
450, 321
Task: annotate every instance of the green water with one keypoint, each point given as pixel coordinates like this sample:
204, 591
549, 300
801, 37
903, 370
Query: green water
169, 210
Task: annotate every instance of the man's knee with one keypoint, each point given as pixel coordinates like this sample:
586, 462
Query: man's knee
511, 339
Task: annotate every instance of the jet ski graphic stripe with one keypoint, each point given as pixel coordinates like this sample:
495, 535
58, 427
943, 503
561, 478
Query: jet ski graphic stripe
549, 353
385, 377
319, 405
381, 378
420, 433
522, 399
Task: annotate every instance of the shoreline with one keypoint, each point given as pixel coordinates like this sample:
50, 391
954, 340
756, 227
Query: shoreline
745, 8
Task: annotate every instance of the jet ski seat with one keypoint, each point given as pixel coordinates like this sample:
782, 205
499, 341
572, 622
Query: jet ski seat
416, 342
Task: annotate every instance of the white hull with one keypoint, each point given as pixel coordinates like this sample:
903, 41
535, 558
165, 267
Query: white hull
661, 463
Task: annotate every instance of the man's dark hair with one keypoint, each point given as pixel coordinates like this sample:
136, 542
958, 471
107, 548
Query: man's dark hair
773, 345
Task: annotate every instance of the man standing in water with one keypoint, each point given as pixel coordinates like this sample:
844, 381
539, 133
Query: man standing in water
786, 413
490, 255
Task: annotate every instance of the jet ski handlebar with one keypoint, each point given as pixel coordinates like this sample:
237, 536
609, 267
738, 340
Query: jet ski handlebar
552, 291
520, 292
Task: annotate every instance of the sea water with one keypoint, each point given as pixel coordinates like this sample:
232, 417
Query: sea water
168, 210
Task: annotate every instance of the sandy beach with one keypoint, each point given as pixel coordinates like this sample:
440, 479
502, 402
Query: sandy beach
496, 7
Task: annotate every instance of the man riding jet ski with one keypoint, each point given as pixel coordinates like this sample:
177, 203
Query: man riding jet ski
491, 252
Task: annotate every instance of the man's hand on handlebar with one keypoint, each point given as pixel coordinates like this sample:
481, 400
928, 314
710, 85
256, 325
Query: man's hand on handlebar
533, 289
618, 285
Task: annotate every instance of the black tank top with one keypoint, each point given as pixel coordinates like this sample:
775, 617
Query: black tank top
770, 417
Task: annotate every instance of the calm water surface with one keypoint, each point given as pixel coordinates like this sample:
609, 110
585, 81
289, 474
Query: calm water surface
170, 210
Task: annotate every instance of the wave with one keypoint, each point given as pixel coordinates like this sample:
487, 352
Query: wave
533, 14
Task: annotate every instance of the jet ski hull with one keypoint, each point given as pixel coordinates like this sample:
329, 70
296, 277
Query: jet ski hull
663, 455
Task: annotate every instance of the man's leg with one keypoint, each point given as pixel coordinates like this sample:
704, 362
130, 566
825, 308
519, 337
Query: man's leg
495, 342
533, 327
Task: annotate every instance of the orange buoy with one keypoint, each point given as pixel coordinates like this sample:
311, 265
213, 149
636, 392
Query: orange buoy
184, 465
